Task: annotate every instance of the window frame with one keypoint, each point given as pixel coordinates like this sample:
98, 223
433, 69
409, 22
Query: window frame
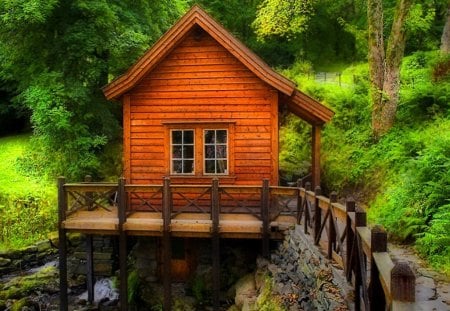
199, 146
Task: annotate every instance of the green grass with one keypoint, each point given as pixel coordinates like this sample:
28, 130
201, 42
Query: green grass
27, 200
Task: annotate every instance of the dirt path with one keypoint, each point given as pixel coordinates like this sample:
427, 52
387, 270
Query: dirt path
432, 287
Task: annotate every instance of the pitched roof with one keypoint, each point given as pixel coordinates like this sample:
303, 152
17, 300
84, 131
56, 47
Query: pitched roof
297, 102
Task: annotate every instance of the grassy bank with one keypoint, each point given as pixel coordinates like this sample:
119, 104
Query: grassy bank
403, 178
27, 200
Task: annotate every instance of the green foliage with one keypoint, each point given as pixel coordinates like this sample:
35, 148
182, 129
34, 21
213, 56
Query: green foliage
404, 177
58, 55
283, 18
27, 201
133, 286
267, 301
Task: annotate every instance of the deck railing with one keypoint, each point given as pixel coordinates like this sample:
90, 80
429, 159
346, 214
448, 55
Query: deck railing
339, 229
342, 232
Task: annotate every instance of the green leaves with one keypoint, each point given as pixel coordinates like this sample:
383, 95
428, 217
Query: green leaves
283, 18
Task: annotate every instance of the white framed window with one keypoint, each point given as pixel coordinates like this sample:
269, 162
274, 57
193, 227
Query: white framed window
182, 151
215, 143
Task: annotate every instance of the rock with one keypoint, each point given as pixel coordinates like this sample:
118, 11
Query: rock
4, 261
245, 290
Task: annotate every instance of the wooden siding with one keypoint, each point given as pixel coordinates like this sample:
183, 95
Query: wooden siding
200, 81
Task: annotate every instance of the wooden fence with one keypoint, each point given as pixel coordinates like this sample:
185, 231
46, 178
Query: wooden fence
342, 232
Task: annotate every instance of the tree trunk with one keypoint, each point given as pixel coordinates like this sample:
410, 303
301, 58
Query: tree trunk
445, 39
376, 60
385, 69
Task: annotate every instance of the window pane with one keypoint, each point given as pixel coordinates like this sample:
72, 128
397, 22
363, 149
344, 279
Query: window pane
188, 166
188, 137
209, 152
221, 136
209, 137
176, 152
188, 152
177, 166
210, 166
221, 152
221, 167
177, 137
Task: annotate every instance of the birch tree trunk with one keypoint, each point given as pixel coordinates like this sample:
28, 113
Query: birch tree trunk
385, 66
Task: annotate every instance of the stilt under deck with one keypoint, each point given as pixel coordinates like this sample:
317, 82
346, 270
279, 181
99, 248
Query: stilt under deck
166, 211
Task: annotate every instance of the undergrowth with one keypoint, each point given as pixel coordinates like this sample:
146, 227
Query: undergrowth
404, 178
27, 201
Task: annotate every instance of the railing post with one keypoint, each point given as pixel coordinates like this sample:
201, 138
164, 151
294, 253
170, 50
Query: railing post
350, 208
167, 248
215, 214
331, 228
403, 282
378, 244
62, 207
307, 210
360, 221
123, 274
299, 202
265, 194
89, 247
317, 215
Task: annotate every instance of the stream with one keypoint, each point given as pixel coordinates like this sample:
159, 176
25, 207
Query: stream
37, 289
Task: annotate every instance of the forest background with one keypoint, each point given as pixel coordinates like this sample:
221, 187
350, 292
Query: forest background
55, 55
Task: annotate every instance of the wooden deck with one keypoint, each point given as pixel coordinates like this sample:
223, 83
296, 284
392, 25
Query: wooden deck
101, 221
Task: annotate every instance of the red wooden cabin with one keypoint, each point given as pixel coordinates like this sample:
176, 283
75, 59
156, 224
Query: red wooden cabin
199, 104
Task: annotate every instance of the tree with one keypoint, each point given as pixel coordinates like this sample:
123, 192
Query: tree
283, 18
59, 53
445, 39
384, 63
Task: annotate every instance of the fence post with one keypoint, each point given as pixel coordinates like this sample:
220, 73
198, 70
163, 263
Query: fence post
317, 214
378, 244
350, 208
360, 221
123, 273
403, 282
331, 228
265, 193
62, 207
307, 211
167, 247
299, 202
215, 212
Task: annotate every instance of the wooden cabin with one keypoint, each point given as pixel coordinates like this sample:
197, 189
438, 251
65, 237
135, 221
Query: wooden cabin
201, 124
199, 104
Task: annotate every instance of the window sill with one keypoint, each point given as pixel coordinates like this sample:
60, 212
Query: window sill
202, 179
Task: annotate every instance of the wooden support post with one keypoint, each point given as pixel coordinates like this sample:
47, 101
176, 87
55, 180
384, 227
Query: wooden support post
299, 202
403, 283
317, 215
378, 244
167, 247
350, 207
62, 208
331, 228
215, 212
89, 248
265, 193
123, 254
315, 161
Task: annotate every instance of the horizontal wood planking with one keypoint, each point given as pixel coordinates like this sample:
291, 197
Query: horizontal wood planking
201, 81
